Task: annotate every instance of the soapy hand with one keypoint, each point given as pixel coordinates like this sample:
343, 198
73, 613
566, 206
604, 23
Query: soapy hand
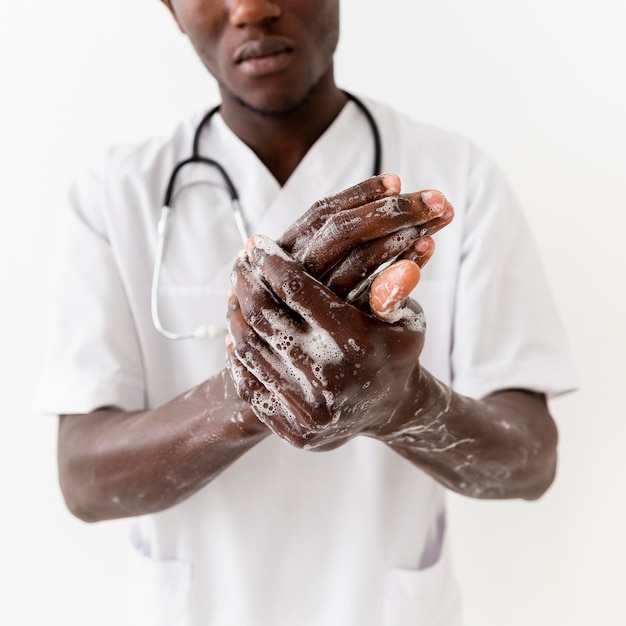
343, 240
306, 354
314, 368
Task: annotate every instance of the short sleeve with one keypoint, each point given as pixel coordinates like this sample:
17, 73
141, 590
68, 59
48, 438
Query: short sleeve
92, 358
507, 332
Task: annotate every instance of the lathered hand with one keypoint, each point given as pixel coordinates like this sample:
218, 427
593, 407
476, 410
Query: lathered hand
344, 239
310, 363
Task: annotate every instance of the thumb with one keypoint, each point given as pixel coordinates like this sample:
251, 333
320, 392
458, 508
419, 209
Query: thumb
392, 287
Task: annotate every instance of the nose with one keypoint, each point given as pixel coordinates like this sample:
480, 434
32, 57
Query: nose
246, 12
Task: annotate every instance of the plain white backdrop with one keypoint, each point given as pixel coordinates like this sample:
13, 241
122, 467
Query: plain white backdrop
538, 84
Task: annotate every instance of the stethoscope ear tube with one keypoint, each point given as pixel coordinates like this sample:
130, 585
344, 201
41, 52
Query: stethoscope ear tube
162, 230
378, 149
201, 332
240, 221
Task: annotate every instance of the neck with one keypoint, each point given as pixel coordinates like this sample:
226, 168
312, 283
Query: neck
281, 140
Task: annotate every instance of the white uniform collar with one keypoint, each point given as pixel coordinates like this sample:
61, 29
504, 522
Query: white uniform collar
325, 169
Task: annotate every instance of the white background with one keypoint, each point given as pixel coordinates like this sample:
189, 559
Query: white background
538, 84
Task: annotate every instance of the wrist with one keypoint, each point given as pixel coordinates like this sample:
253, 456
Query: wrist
421, 413
224, 411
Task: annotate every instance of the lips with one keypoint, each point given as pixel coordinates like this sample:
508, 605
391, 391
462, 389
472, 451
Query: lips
262, 49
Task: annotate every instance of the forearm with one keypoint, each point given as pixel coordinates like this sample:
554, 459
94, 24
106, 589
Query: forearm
503, 446
116, 464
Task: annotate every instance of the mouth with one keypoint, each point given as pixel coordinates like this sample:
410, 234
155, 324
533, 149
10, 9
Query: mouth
263, 56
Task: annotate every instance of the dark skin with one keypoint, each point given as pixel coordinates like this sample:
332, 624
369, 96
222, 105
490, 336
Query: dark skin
273, 64
319, 399
114, 463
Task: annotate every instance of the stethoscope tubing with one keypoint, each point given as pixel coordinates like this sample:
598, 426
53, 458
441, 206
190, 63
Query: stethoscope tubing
211, 331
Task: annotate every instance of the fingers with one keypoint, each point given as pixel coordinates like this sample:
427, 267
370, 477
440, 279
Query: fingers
278, 321
354, 273
351, 277
272, 382
349, 230
305, 296
420, 253
392, 287
363, 261
265, 404
253, 307
363, 193
268, 338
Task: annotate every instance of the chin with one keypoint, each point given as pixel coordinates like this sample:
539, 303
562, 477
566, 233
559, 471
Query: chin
273, 108
276, 104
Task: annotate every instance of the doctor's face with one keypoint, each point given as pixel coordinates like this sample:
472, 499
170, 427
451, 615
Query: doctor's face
266, 54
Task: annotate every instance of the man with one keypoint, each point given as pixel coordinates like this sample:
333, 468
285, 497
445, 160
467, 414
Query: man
238, 522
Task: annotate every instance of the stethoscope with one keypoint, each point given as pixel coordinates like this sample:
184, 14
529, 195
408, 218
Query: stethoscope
163, 227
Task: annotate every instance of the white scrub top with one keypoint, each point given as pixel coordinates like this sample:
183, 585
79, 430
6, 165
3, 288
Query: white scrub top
355, 536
